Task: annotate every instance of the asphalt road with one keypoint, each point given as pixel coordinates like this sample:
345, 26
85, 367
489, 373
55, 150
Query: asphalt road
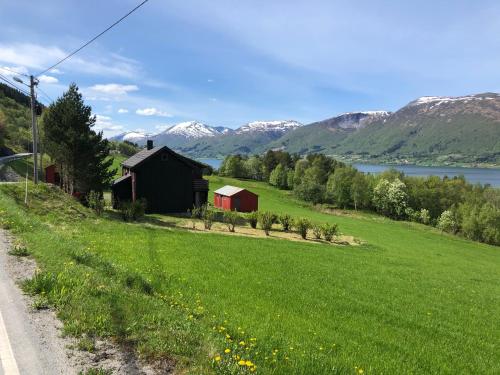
29, 343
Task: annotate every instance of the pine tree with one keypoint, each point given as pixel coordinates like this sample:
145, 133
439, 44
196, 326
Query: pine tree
80, 153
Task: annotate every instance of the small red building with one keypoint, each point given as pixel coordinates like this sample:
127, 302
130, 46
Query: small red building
231, 198
52, 175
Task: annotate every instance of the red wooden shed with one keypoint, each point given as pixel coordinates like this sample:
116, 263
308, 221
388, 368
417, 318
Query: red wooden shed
234, 198
52, 175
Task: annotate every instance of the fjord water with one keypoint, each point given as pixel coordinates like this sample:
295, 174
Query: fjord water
473, 175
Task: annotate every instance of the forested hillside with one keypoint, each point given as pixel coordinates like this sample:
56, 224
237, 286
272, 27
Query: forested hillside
15, 120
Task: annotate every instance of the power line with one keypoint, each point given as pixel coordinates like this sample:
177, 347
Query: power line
93, 39
45, 94
13, 71
13, 85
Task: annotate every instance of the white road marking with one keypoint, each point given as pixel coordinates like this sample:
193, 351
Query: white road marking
7, 360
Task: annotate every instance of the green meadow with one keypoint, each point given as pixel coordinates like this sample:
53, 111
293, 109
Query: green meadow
409, 300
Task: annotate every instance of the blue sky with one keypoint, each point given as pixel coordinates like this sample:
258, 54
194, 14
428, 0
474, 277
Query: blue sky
231, 62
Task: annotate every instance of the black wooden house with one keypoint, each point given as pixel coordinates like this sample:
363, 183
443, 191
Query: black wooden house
169, 182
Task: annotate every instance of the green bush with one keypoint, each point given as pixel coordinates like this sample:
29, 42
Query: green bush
230, 218
208, 215
302, 225
286, 222
317, 231
96, 202
329, 230
253, 218
133, 210
266, 221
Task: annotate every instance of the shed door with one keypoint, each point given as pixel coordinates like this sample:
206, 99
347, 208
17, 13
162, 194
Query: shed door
237, 203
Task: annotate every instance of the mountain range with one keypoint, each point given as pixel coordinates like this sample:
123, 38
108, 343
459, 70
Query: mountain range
429, 129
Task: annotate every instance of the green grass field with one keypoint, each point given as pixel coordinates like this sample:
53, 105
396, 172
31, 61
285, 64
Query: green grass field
410, 300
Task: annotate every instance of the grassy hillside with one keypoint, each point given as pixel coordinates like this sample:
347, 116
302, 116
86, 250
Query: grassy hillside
409, 300
314, 138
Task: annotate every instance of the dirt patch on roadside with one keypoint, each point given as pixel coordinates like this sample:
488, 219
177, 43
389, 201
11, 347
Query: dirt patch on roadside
48, 331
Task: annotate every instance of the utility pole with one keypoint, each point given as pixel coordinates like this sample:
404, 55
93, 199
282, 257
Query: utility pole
33, 83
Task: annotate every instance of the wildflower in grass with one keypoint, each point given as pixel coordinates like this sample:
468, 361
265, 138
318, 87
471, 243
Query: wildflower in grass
242, 343
249, 363
227, 351
217, 358
242, 362
360, 371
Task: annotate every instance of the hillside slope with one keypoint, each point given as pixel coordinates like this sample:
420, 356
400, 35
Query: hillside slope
462, 129
324, 136
186, 296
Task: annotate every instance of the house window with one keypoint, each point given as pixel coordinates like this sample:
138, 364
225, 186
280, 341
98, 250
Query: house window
164, 157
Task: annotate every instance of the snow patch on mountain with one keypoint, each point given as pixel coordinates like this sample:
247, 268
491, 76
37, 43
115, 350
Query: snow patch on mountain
268, 126
194, 129
438, 100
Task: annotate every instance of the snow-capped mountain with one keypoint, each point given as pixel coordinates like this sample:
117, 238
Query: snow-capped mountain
194, 129
131, 136
184, 132
268, 126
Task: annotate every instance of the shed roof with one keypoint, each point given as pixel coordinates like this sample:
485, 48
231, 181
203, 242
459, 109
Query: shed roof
145, 154
121, 179
228, 190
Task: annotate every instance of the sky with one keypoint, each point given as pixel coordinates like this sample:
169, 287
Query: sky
226, 63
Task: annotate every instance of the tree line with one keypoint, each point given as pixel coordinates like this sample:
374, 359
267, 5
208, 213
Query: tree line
451, 204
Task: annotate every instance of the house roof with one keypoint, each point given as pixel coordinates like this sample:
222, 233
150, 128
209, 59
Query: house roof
228, 190
145, 154
121, 179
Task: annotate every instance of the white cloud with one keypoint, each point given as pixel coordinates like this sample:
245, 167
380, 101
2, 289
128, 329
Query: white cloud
12, 70
210, 80
55, 71
114, 88
152, 112
107, 126
39, 57
123, 110
47, 79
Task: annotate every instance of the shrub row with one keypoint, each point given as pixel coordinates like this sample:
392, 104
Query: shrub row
264, 219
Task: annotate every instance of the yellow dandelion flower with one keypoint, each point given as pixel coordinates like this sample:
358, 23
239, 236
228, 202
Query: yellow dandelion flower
217, 358
360, 371
242, 343
227, 351
242, 363
249, 363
